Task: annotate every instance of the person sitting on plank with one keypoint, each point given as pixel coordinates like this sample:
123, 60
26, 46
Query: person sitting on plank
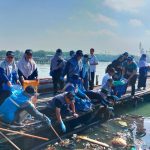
27, 68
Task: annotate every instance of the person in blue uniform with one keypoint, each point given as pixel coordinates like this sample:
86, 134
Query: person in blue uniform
61, 105
130, 73
4, 93
10, 67
143, 70
73, 65
18, 101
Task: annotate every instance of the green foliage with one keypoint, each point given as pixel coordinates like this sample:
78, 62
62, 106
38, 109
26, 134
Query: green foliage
42, 55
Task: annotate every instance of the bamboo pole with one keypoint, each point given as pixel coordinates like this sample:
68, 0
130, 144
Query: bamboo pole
24, 134
12, 143
56, 133
93, 141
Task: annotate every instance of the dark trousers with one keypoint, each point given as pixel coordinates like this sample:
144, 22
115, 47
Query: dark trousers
132, 83
142, 77
97, 96
91, 83
86, 82
3, 95
56, 82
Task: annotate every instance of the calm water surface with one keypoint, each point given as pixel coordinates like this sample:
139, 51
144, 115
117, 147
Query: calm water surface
44, 69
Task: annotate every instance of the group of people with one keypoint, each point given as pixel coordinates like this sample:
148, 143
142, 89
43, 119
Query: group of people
83, 65
13, 99
77, 92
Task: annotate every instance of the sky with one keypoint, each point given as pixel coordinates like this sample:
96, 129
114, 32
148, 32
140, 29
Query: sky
108, 26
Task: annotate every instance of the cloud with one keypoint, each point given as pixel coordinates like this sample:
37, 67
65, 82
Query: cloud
106, 32
100, 18
124, 5
147, 32
135, 22
77, 34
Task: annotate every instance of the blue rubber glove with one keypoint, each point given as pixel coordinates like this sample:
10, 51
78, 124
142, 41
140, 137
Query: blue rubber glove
63, 127
48, 121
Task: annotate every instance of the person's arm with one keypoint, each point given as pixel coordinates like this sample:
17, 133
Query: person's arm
35, 73
59, 118
72, 105
5, 79
133, 73
66, 69
95, 61
21, 76
123, 71
58, 115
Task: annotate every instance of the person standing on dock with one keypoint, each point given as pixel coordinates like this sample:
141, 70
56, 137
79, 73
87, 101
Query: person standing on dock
73, 66
143, 69
56, 68
10, 67
71, 53
86, 71
27, 69
130, 73
93, 62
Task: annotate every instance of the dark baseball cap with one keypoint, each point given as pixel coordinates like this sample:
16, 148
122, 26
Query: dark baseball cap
79, 53
59, 51
10, 53
125, 53
130, 58
28, 51
30, 90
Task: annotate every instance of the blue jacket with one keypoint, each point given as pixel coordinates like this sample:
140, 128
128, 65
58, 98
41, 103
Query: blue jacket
3, 78
11, 105
72, 67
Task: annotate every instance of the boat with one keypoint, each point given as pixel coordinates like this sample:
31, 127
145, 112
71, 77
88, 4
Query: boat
98, 114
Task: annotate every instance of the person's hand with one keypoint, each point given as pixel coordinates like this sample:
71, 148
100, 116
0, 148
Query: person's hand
75, 115
18, 82
63, 127
9, 84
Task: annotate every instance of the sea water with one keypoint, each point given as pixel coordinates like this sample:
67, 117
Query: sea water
44, 69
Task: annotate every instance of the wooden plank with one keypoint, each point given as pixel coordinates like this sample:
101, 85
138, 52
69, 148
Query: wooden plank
93, 141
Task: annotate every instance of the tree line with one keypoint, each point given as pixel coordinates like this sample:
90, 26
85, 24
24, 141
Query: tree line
42, 54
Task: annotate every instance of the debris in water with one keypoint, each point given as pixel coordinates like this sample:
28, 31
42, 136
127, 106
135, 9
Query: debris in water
123, 123
50, 147
119, 142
